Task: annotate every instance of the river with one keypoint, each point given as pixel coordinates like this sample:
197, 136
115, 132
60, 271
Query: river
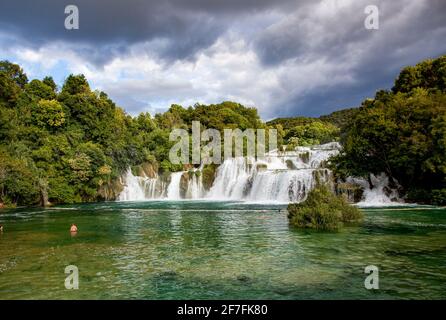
218, 250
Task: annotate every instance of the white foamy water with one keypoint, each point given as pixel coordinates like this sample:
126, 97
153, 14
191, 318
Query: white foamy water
279, 177
173, 191
376, 196
140, 188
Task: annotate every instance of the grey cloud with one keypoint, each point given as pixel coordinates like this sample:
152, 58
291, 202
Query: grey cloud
304, 33
186, 26
281, 33
372, 58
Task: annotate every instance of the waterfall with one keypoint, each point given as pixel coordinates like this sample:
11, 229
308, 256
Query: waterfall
232, 177
376, 196
277, 177
132, 190
173, 191
195, 188
137, 188
285, 186
143, 188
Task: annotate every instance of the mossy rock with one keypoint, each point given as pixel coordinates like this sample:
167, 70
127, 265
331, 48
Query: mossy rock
290, 165
352, 192
188, 167
305, 157
150, 169
208, 173
110, 191
184, 184
322, 210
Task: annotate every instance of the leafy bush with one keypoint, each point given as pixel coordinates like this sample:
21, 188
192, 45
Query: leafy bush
439, 197
322, 210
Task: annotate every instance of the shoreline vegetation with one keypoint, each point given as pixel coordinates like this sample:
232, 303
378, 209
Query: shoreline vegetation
72, 144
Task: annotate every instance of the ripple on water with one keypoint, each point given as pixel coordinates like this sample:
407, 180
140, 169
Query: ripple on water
205, 250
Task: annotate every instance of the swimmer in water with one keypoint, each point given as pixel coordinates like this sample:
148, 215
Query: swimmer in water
73, 228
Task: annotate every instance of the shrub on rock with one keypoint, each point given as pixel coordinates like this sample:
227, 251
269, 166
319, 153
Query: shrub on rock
322, 210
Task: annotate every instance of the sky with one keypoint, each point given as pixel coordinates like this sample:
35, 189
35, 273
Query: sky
284, 57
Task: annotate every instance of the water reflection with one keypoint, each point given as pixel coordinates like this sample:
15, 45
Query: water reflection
187, 250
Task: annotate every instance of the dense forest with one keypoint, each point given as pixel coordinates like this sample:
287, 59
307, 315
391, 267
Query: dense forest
402, 132
71, 144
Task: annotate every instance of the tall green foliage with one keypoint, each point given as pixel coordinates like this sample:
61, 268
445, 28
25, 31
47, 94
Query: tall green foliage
304, 131
402, 133
64, 146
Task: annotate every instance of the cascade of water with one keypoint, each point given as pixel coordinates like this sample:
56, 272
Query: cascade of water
375, 196
276, 177
231, 179
312, 157
285, 186
137, 188
132, 190
173, 190
195, 188
279, 176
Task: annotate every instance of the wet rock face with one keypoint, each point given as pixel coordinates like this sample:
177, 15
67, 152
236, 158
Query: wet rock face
184, 184
188, 166
305, 157
208, 174
351, 191
146, 170
110, 191
248, 186
163, 181
290, 165
150, 169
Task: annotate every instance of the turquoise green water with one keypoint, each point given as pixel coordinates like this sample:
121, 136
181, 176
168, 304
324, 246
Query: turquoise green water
203, 250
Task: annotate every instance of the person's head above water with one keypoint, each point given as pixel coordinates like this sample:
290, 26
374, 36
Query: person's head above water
73, 228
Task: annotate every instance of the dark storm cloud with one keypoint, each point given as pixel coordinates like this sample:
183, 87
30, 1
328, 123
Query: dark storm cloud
323, 57
409, 32
183, 27
328, 99
305, 32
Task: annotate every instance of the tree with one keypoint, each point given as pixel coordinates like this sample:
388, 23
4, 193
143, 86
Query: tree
12, 81
402, 133
49, 113
312, 133
40, 90
49, 81
14, 72
429, 74
75, 84
18, 182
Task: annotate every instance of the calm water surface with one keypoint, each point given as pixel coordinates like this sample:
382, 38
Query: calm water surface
218, 250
